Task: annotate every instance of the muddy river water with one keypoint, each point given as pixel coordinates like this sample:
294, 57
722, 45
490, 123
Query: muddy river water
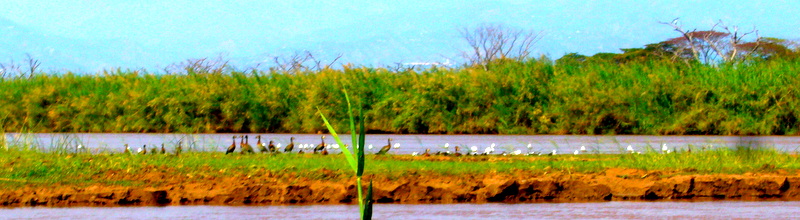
608, 210
409, 144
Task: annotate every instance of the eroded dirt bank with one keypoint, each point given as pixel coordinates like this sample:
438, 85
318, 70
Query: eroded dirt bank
613, 184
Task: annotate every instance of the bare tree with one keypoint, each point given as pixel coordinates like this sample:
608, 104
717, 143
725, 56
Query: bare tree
712, 45
301, 61
216, 65
490, 42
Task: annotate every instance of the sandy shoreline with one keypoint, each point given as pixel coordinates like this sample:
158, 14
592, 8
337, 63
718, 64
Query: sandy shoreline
610, 185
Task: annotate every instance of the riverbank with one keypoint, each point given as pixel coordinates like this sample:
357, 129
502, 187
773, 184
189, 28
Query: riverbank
33, 178
415, 188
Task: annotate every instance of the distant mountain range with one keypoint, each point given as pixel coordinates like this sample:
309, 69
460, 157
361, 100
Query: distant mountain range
60, 54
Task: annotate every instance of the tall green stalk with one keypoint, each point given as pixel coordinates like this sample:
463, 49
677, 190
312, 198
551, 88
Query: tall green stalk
356, 161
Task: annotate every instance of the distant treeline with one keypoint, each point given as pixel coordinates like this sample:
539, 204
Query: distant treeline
573, 95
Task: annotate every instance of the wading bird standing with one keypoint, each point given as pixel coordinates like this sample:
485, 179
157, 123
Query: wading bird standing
321, 146
163, 151
473, 150
271, 147
246, 148
385, 149
143, 150
261, 146
489, 150
290, 146
127, 149
232, 147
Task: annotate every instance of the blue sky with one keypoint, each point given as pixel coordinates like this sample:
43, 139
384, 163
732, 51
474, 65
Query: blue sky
89, 35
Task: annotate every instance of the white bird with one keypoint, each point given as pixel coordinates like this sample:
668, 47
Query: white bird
530, 146
473, 149
139, 150
396, 145
583, 148
414, 153
446, 145
664, 148
517, 152
278, 146
576, 152
554, 152
488, 150
630, 149
369, 147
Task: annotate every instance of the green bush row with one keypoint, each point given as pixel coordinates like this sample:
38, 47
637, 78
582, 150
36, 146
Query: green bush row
536, 96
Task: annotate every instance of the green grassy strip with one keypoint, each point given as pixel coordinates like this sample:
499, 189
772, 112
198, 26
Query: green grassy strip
21, 167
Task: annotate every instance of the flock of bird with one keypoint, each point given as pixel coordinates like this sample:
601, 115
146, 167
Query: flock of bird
271, 147
325, 149
491, 150
244, 147
154, 150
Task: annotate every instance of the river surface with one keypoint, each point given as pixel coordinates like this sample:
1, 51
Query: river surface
607, 210
563, 144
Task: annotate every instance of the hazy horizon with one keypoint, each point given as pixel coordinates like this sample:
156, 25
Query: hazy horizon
92, 35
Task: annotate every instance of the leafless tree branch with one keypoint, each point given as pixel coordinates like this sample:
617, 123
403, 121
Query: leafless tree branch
491, 42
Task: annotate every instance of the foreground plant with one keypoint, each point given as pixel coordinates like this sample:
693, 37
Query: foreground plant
356, 161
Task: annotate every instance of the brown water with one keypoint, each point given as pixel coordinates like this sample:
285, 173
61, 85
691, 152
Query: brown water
607, 210
564, 144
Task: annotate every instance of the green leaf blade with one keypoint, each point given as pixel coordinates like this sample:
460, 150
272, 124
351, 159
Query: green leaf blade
347, 155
